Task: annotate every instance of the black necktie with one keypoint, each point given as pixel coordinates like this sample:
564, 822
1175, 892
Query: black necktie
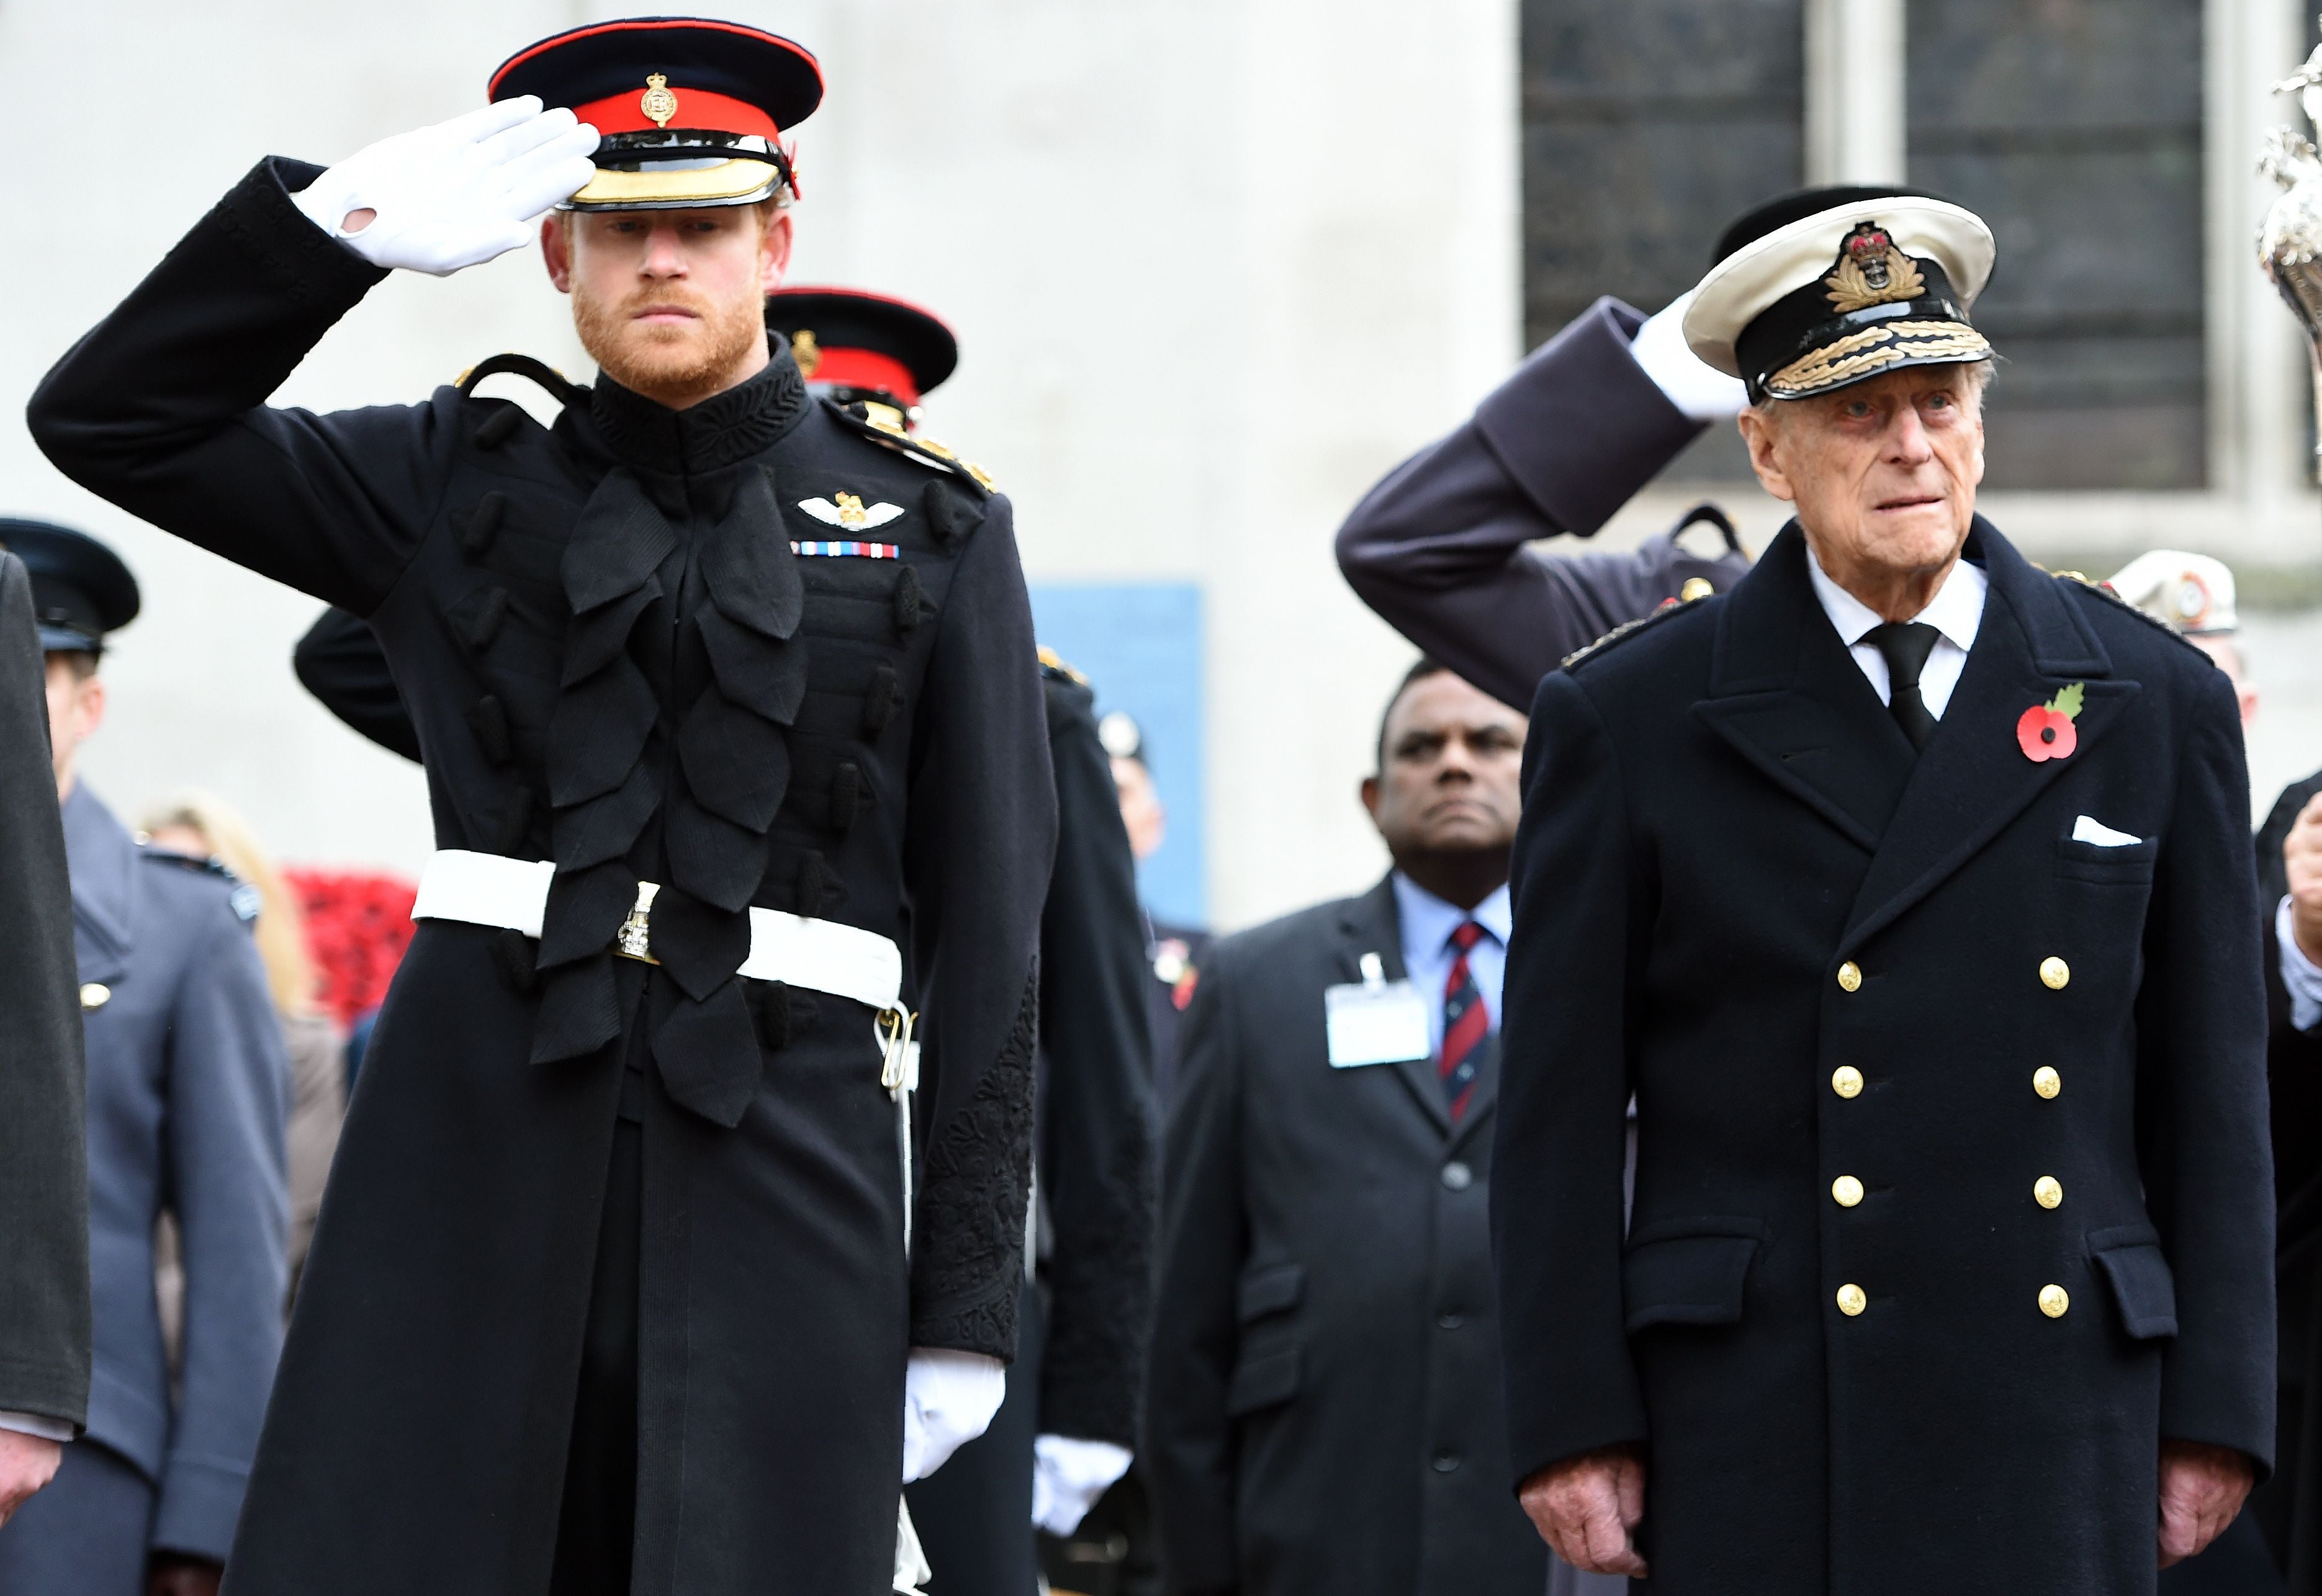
1905, 644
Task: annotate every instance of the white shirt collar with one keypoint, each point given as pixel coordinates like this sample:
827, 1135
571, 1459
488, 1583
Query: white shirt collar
1428, 921
1956, 610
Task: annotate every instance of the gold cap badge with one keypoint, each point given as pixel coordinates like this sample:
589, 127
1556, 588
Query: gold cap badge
806, 352
658, 103
1870, 271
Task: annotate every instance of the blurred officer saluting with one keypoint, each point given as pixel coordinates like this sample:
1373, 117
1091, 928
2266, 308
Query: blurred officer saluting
187, 1093
1324, 1410
1906, 889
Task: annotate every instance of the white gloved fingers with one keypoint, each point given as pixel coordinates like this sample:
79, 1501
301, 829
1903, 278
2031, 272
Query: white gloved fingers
510, 143
474, 127
549, 186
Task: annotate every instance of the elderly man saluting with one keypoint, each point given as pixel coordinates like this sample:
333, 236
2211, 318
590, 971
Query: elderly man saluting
1906, 889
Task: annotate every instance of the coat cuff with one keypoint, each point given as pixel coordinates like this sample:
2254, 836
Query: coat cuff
201, 1497
1580, 427
284, 245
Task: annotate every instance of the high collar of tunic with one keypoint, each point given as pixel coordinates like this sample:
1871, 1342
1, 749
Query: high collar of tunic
721, 431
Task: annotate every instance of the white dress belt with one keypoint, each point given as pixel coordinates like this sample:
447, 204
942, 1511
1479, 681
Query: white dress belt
491, 890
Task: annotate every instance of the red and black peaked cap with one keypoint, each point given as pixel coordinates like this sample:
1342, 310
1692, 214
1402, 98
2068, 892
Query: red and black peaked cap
693, 111
848, 338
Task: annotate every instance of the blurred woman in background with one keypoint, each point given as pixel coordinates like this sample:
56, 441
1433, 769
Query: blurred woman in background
205, 827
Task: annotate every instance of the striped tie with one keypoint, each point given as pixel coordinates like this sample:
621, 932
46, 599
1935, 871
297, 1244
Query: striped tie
1467, 1023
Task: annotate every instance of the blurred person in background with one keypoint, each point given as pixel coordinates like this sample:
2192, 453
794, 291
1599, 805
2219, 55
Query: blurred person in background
203, 826
1324, 1411
44, 1300
187, 1099
1173, 950
2193, 596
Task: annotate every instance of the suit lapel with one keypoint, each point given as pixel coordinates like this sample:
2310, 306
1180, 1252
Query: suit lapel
1972, 779
1787, 696
1369, 924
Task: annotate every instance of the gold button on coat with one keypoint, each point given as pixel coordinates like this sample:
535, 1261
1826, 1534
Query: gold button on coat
1846, 1190
2054, 1300
2054, 974
1849, 976
94, 995
1846, 1081
2046, 1082
1696, 588
1850, 1300
2048, 1192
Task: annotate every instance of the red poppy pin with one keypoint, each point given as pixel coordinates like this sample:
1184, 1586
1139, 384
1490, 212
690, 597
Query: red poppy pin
2045, 731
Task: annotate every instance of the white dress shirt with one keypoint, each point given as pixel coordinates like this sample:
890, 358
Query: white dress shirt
1955, 612
1427, 922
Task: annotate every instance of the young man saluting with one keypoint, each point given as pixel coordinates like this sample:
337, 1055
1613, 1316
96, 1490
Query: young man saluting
610, 1291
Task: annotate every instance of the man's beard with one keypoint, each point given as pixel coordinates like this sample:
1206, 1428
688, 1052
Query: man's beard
677, 365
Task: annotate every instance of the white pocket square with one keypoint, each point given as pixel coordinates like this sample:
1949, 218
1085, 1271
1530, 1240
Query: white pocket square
2085, 830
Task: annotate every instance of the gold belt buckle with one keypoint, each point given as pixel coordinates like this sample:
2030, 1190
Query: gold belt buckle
635, 938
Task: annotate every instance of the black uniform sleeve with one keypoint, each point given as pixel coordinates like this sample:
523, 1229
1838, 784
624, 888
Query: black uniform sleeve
342, 664
44, 1291
1438, 548
2201, 1041
981, 838
1574, 961
162, 408
1189, 1435
1097, 1163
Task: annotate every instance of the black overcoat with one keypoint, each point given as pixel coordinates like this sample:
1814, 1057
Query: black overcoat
44, 1289
1723, 829
1325, 1411
614, 659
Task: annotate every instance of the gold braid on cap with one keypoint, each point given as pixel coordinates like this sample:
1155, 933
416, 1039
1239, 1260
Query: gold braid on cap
1874, 349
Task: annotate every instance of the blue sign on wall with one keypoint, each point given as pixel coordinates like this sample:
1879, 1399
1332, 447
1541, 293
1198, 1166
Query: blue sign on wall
1139, 645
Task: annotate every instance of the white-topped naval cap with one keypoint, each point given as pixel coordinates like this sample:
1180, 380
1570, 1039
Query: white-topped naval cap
1746, 283
2192, 592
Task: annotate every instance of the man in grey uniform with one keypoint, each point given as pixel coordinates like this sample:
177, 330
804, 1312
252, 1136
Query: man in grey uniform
186, 1102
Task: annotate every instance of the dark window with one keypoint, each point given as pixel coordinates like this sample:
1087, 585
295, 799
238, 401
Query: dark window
2074, 127
1649, 125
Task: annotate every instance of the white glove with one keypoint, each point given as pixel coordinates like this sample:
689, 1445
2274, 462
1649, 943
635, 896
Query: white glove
1068, 1476
1700, 391
457, 194
949, 1400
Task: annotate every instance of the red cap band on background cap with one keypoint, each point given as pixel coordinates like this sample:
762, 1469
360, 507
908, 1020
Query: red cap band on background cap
862, 368
698, 108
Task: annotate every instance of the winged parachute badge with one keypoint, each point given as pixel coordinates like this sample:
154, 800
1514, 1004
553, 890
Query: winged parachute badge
850, 512
659, 102
1870, 271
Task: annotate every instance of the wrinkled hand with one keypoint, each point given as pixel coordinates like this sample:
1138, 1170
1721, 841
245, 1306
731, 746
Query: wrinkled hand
949, 1400
2301, 853
1068, 1476
1700, 391
2202, 1487
1587, 1509
27, 1463
455, 194
170, 1574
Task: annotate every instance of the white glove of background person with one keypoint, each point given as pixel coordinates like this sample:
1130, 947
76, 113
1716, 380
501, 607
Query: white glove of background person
455, 194
949, 1400
1702, 392
1068, 1476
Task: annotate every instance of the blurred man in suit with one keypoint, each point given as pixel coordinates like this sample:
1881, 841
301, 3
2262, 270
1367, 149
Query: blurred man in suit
44, 1313
1325, 1409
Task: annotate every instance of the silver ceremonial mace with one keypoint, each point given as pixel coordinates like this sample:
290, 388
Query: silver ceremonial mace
2290, 241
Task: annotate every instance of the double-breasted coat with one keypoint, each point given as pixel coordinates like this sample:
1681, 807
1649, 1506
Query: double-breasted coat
1951, 1192
615, 660
1325, 1411
44, 1291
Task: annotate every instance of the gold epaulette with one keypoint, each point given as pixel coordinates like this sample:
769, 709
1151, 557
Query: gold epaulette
1054, 663
884, 424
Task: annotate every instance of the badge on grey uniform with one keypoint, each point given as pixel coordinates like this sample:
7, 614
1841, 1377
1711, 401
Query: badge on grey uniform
1375, 1022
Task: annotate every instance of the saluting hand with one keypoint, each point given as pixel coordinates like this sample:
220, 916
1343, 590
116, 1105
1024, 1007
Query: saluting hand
2202, 1487
1588, 1509
2301, 852
455, 194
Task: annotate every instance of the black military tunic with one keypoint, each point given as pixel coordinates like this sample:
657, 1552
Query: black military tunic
614, 660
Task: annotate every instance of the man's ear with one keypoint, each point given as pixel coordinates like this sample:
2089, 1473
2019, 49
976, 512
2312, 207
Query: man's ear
1370, 792
1761, 435
92, 705
774, 251
557, 249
